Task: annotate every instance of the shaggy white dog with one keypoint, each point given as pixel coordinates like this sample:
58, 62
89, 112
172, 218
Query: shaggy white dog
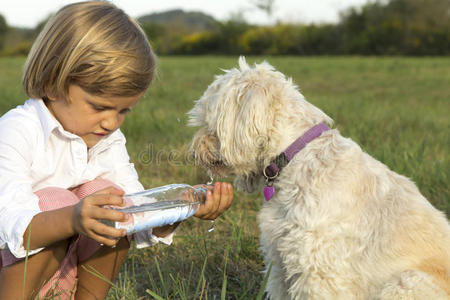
340, 224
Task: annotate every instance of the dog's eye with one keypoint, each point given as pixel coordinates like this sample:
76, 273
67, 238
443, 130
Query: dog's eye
217, 163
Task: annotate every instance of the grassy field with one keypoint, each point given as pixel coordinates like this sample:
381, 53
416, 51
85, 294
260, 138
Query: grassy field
396, 108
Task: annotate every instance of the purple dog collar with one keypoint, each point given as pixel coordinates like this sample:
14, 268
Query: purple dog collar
271, 172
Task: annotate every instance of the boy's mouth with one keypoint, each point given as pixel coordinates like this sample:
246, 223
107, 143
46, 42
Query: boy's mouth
101, 133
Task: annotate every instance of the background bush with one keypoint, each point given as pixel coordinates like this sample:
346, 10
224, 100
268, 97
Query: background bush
395, 27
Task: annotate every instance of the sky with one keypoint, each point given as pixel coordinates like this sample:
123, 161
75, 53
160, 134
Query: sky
28, 13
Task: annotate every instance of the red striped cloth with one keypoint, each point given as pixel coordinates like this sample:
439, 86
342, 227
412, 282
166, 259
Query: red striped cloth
63, 282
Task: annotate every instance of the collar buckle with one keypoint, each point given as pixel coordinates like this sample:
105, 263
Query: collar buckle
272, 171
270, 178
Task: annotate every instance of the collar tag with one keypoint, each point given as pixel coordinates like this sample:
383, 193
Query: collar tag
272, 171
268, 192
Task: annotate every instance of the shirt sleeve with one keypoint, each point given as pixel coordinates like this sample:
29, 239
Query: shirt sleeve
18, 203
125, 176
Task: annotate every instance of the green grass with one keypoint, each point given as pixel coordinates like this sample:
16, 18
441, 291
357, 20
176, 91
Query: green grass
395, 108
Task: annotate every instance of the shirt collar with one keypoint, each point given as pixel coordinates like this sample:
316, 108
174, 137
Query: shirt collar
49, 124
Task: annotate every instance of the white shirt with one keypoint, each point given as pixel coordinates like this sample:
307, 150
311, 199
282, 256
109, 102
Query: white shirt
36, 152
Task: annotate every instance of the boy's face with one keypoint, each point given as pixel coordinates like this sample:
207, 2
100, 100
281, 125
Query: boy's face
88, 116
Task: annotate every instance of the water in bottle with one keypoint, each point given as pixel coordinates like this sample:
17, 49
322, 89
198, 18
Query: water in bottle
159, 206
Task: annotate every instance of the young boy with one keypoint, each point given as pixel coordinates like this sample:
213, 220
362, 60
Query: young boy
63, 157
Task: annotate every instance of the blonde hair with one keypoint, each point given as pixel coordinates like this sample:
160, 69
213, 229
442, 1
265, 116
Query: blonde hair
94, 45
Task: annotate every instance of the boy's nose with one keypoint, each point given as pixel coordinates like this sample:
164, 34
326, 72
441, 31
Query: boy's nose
111, 123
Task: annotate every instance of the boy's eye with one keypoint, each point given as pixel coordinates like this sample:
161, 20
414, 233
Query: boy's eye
98, 108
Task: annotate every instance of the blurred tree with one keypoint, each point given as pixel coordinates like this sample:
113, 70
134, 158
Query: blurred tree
411, 27
230, 33
155, 34
225, 40
199, 43
3, 31
380, 27
257, 41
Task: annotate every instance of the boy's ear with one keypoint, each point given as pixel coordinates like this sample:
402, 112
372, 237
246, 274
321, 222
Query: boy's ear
49, 95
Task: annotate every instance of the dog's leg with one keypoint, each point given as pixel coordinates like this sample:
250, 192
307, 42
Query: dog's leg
412, 285
276, 288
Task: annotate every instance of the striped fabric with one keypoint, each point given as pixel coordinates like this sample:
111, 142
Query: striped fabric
63, 283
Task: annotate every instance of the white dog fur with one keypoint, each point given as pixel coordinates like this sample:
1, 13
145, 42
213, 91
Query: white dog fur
341, 225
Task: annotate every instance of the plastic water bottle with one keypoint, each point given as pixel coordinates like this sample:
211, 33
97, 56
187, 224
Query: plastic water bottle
159, 206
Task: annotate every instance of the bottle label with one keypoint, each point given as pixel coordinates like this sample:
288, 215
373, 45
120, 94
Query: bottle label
154, 214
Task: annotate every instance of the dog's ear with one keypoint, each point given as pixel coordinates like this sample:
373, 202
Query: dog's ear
245, 123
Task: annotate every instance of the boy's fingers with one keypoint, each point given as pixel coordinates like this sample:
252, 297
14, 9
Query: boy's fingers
217, 201
213, 202
102, 233
227, 197
105, 199
110, 191
105, 234
205, 208
108, 231
101, 213
104, 240
218, 190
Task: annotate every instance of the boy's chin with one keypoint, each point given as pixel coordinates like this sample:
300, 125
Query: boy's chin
91, 140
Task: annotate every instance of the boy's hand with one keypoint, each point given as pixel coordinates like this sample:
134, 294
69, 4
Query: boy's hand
89, 211
217, 201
